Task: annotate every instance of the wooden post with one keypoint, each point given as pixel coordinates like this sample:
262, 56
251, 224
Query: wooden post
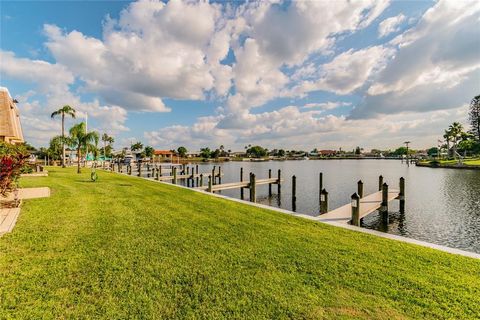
269, 185
320, 184
174, 175
201, 180
139, 170
183, 168
210, 183
279, 177
324, 201
219, 175
196, 172
253, 196
380, 183
355, 210
360, 188
129, 169
401, 195
158, 173
294, 191
384, 205
160, 170
213, 175
188, 170
241, 180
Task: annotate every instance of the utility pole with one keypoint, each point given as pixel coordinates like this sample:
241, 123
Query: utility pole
407, 143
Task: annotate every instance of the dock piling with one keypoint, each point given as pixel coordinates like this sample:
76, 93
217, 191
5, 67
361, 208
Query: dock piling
174, 175
355, 210
210, 183
320, 184
241, 180
294, 191
201, 180
219, 175
360, 188
279, 180
269, 185
213, 175
253, 196
380, 183
401, 195
384, 206
324, 201
196, 172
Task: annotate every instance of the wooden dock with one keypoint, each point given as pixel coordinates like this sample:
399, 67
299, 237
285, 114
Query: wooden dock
240, 184
368, 205
188, 176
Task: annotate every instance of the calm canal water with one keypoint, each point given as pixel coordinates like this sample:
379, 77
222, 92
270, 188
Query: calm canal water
442, 205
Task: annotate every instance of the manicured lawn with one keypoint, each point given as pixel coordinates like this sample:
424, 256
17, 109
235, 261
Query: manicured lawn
468, 162
473, 162
127, 248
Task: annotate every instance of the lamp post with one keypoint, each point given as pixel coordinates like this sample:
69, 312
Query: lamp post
407, 143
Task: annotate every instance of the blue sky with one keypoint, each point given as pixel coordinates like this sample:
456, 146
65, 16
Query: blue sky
293, 75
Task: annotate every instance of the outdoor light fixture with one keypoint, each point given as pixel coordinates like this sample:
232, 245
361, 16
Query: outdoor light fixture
354, 203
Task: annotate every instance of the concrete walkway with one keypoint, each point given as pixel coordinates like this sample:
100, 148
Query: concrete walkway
9, 216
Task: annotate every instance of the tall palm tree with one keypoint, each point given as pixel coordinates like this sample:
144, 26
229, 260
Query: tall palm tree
447, 136
107, 141
81, 139
456, 130
69, 111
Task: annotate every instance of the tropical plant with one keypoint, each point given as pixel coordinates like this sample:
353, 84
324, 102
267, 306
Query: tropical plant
257, 151
182, 151
205, 153
137, 146
107, 144
63, 111
474, 117
55, 149
455, 131
82, 140
149, 151
447, 138
12, 161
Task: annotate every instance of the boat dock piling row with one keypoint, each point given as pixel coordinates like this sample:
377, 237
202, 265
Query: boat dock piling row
359, 207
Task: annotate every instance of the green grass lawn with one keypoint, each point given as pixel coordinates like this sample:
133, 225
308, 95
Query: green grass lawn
472, 162
468, 162
127, 248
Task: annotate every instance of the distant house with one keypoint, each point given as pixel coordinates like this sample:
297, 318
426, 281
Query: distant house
327, 153
237, 154
162, 155
193, 154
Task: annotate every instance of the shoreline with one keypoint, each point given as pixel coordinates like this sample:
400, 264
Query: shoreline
448, 166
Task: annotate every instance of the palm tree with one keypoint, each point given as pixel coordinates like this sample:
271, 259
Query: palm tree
456, 130
81, 139
107, 141
65, 110
447, 136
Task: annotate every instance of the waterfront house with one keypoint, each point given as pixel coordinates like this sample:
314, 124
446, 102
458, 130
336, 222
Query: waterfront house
327, 153
163, 155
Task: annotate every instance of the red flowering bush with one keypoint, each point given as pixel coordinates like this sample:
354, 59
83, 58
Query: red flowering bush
13, 159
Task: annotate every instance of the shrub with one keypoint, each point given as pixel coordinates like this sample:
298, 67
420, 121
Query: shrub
12, 161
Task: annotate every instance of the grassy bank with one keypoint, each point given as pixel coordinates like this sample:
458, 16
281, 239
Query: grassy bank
467, 164
127, 248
